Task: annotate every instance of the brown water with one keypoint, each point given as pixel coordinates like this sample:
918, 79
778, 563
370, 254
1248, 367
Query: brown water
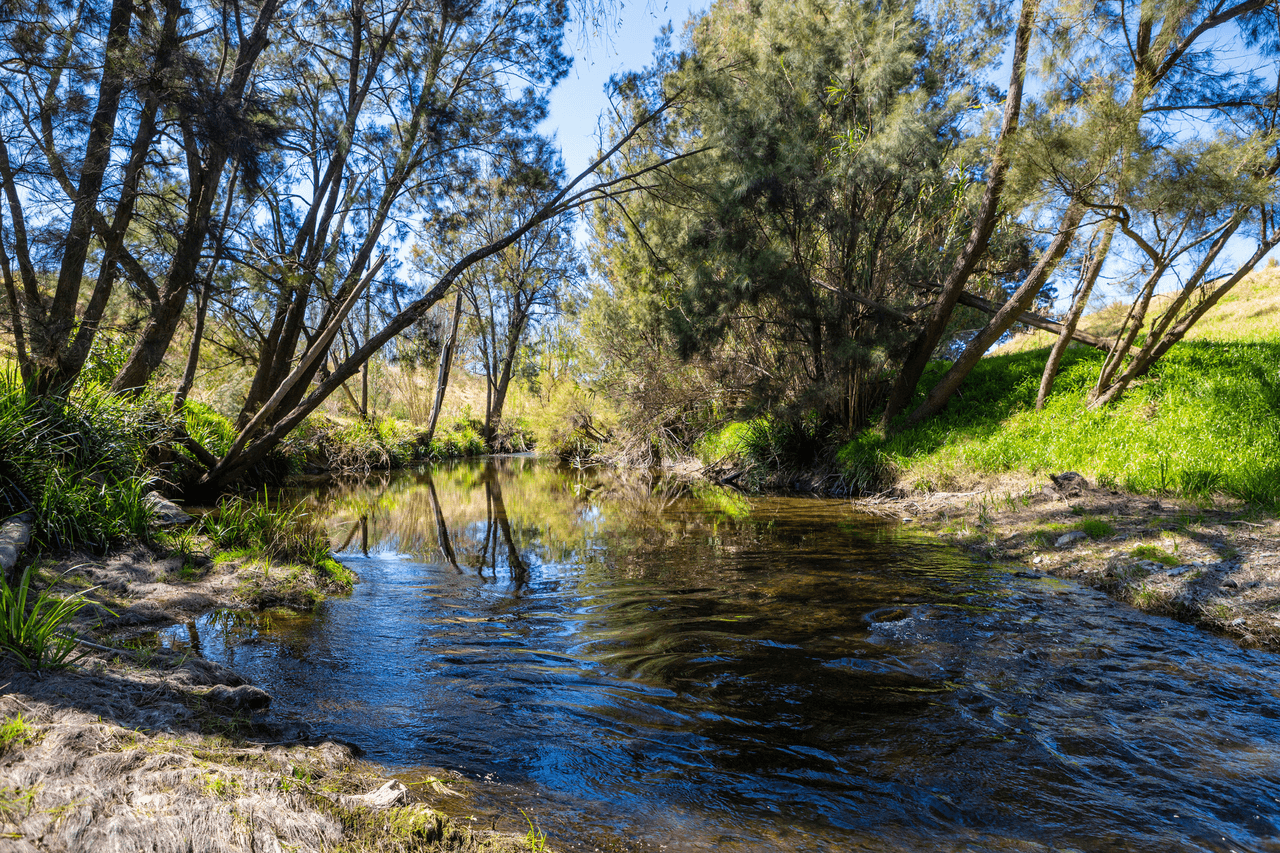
648, 666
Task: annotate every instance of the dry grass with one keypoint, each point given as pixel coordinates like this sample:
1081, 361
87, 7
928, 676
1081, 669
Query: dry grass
1251, 311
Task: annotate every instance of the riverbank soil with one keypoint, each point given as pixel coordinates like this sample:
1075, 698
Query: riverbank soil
149, 749
1216, 566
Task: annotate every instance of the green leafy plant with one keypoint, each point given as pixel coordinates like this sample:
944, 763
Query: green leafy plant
535, 838
33, 634
15, 731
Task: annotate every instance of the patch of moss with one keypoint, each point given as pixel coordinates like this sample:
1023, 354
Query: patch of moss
1155, 554
1096, 528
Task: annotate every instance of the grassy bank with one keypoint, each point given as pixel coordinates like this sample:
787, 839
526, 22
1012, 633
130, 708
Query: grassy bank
1206, 422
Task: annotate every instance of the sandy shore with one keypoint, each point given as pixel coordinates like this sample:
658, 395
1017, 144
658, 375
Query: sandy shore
147, 749
1215, 566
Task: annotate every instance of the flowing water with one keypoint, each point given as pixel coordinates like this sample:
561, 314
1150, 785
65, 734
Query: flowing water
650, 666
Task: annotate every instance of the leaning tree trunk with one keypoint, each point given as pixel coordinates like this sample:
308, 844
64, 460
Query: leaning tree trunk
446, 364
1087, 282
1003, 320
927, 341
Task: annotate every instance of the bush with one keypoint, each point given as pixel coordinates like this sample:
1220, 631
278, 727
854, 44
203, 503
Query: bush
80, 463
35, 636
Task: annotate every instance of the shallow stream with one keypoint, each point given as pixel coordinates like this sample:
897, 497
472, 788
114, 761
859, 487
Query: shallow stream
649, 666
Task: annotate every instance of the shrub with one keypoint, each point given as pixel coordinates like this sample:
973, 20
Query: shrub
35, 635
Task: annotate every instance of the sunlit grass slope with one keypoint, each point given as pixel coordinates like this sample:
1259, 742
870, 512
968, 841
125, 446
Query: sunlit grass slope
1205, 422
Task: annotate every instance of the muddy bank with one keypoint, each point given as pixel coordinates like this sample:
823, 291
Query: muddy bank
1216, 566
144, 749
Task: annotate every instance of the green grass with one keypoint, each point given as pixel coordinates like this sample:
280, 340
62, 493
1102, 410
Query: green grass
281, 533
15, 732
1096, 528
79, 464
1155, 554
1205, 422
34, 633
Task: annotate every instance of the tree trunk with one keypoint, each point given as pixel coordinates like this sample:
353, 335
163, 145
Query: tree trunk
1002, 321
494, 415
48, 339
921, 349
202, 303
203, 185
193, 352
1168, 330
15, 310
446, 364
1081, 301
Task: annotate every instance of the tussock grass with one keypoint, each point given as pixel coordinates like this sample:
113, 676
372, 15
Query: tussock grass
33, 632
79, 463
282, 533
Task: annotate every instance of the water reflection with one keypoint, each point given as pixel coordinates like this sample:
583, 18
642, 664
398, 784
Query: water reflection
644, 665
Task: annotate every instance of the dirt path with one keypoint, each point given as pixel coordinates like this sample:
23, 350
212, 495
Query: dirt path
1218, 567
149, 750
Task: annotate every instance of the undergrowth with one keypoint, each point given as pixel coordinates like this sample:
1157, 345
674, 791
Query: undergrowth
34, 633
279, 533
78, 464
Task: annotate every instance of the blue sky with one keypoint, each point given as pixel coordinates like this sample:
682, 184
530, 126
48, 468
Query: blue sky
622, 43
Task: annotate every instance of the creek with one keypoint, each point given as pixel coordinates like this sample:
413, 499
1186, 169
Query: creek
645, 665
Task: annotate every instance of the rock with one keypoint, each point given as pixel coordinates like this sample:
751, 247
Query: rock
245, 698
1037, 560
1070, 484
15, 534
1229, 583
165, 512
1151, 565
391, 794
1067, 538
1180, 570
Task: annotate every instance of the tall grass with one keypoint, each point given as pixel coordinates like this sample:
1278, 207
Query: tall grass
35, 633
283, 533
1205, 422
78, 463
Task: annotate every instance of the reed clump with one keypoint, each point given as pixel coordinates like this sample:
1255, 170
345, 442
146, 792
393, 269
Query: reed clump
77, 463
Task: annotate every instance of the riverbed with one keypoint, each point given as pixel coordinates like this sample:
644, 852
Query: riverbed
642, 664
